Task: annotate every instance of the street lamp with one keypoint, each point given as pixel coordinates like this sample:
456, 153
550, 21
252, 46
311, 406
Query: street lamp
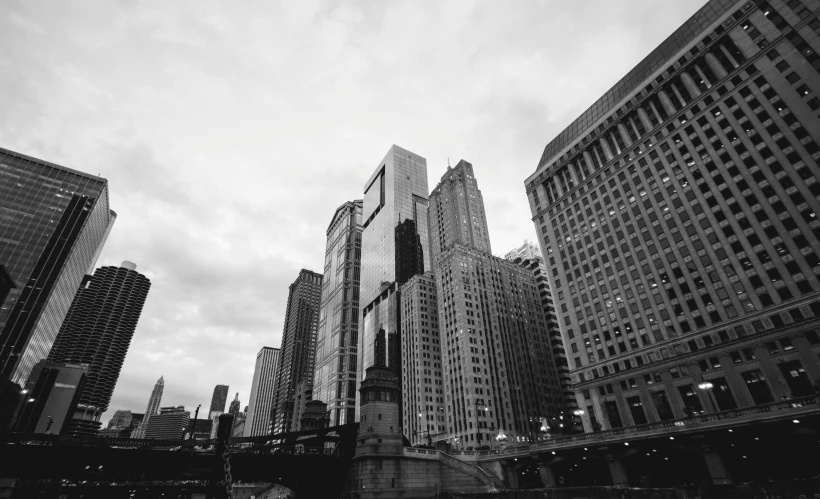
707, 386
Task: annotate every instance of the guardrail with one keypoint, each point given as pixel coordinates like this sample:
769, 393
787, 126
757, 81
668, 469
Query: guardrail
781, 408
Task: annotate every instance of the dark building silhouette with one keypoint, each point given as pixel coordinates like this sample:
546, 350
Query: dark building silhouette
234, 408
298, 350
97, 331
55, 222
53, 393
218, 400
409, 251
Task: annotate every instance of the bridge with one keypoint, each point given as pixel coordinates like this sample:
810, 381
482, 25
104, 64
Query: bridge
776, 440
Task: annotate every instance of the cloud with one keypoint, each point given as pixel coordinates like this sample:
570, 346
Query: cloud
229, 136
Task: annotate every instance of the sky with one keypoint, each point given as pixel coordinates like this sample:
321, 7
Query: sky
230, 132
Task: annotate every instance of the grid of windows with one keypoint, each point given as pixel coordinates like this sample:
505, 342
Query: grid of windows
702, 217
53, 222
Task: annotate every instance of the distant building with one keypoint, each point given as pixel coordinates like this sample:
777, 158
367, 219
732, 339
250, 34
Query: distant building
262, 386
151, 409
53, 392
120, 419
335, 375
169, 424
218, 400
298, 350
235, 405
46, 248
97, 331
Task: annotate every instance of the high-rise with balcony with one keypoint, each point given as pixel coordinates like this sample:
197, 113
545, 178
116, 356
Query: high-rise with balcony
53, 223
335, 377
264, 380
298, 350
394, 248
97, 331
677, 217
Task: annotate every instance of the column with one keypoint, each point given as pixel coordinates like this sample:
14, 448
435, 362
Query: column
624, 133
547, 476
717, 470
618, 472
690, 85
645, 118
509, 472
715, 65
605, 147
666, 103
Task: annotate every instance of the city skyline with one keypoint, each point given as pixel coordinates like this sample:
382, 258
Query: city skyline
200, 290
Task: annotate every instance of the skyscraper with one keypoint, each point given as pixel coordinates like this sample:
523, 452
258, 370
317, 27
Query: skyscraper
491, 351
151, 409
55, 221
234, 408
97, 331
678, 220
424, 414
395, 205
298, 350
218, 401
457, 212
335, 381
264, 380
528, 256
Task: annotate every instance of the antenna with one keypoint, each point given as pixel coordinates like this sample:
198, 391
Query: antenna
448, 161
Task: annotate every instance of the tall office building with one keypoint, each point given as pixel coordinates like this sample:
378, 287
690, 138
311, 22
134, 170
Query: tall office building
424, 415
678, 220
234, 408
169, 424
528, 256
97, 331
151, 409
457, 212
298, 350
395, 205
495, 362
218, 401
334, 380
264, 380
54, 222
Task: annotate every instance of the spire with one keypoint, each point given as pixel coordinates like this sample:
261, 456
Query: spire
236, 399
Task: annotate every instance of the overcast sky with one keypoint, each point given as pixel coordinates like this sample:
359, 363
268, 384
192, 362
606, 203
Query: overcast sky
231, 131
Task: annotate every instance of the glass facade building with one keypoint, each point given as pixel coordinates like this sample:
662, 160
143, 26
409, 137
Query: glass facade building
335, 377
218, 401
396, 192
97, 331
264, 380
298, 350
678, 221
53, 221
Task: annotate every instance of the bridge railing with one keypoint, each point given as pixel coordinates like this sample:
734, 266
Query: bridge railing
784, 407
